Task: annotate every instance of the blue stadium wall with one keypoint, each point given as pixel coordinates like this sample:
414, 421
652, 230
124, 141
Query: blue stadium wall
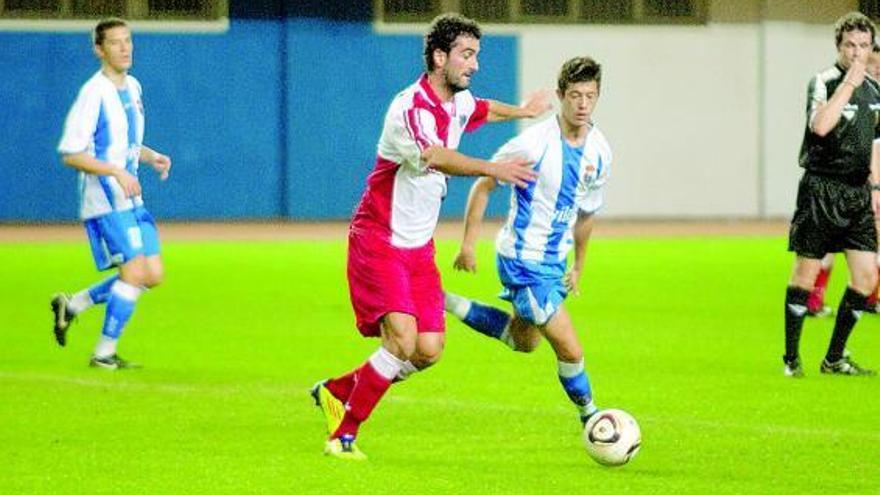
277, 118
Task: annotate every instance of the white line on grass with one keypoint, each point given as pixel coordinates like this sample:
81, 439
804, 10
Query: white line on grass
274, 391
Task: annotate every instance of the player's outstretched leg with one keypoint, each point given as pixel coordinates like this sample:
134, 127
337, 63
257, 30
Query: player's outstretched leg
489, 321
560, 332
369, 385
120, 307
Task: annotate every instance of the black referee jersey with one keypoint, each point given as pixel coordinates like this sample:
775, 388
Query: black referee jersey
845, 152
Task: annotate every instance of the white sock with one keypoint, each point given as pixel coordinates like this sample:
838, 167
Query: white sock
568, 370
406, 370
106, 347
457, 305
80, 302
385, 363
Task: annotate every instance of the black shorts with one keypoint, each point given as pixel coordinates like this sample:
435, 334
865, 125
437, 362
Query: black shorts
831, 216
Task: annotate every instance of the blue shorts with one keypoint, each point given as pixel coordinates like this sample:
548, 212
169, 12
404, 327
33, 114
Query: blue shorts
536, 290
120, 236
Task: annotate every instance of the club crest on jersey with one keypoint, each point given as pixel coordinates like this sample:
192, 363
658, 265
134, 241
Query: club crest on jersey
590, 173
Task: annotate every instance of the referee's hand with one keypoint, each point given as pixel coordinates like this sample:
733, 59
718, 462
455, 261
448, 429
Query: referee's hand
856, 73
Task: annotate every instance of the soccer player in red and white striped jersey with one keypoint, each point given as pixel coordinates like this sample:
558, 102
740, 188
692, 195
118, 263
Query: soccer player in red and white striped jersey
393, 279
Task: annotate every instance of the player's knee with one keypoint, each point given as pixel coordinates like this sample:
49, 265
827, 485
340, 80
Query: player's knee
866, 283
154, 278
402, 340
134, 273
864, 279
570, 354
428, 355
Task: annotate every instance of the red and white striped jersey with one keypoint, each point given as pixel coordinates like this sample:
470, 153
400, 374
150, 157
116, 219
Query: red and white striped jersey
403, 196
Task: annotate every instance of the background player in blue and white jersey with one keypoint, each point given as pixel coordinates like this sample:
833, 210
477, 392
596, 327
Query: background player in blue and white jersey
103, 139
572, 159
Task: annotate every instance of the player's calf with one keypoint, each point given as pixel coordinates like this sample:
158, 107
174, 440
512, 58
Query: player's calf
576, 384
491, 322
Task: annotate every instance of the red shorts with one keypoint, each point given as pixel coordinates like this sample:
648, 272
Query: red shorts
386, 279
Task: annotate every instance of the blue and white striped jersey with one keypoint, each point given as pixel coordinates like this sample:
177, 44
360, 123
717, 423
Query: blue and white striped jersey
539, 223
107, 123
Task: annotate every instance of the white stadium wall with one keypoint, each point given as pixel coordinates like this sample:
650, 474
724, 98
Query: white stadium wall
705, 121
794, 52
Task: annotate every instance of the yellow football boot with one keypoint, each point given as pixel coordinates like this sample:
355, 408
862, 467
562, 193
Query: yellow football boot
344, 448
333, 408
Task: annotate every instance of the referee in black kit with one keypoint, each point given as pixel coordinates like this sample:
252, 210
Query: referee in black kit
839, 194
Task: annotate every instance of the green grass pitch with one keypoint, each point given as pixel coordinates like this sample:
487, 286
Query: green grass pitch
685, 334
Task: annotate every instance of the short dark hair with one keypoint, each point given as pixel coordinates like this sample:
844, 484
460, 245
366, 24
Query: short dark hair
854, 21
104, 25
445, 28
578, 70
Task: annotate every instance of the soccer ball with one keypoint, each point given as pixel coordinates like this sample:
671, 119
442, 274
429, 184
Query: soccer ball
612, 437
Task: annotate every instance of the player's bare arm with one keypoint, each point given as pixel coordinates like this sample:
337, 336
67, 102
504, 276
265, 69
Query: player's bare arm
583, 227
828, 115
478, 199
91, 165
160, 163
517, 171
534, 106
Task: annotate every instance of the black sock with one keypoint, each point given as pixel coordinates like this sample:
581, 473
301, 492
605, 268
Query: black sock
795, 311
848, 313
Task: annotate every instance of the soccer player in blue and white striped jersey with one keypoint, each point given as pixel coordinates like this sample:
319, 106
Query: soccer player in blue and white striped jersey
103, 140
572, 159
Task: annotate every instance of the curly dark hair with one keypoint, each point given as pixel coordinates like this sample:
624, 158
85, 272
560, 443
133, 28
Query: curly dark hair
854, 21
577, 70
445, 28
104, 25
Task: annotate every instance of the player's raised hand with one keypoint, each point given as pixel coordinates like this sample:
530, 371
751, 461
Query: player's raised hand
538, 102
466, 261
517, 171
572, 282
129, 183
856, 73
162, 165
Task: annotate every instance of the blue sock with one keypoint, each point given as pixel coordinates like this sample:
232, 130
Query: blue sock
100, 292
120, 307
487, 320
576, 384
